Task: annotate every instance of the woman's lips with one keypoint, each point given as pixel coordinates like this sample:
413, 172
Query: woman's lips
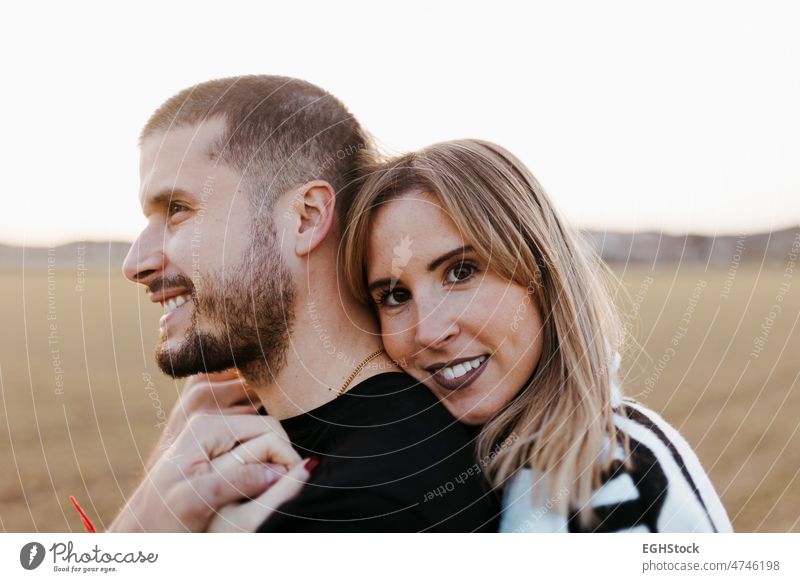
461, 381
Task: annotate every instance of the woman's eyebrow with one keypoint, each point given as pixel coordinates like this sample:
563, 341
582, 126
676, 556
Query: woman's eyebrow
459, 251
431, 267
380, 283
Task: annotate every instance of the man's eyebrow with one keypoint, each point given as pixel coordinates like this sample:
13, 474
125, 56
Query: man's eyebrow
163, 198
434, 264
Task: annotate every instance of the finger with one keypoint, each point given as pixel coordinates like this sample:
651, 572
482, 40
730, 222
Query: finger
199, 394
228, 393
225, 375
211, 491
289, 485
275, 471
248, 516
276, 426
207, 436
269, 447
240, 409
270, 421
249, 397
229, 374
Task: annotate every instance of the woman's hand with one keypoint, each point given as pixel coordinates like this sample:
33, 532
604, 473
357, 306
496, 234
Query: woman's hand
248, 515
199, 475
220, 393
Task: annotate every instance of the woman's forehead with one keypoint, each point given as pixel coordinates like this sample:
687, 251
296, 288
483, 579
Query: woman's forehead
415, 224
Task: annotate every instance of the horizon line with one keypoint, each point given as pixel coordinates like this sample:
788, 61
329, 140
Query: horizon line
667, 232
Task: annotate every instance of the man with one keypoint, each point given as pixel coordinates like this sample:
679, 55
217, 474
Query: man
242, 180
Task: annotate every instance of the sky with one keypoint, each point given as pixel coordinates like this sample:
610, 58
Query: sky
674, 116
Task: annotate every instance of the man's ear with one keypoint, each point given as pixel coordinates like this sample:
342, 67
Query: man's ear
315, 204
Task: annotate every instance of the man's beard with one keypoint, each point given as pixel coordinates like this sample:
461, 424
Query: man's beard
246, 313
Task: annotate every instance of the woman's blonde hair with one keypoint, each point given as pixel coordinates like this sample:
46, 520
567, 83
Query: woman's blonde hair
560, 423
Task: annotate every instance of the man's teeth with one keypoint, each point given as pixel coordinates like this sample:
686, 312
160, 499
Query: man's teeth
460, 369
173, 303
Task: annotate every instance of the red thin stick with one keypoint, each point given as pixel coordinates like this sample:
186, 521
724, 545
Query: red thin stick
87, 524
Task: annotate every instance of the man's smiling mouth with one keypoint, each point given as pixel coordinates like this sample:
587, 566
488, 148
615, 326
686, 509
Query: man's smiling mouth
173, 303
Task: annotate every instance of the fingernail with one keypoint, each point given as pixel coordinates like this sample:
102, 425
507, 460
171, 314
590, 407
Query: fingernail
312, 463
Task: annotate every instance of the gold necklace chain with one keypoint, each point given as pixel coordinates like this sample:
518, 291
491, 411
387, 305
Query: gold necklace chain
358, 369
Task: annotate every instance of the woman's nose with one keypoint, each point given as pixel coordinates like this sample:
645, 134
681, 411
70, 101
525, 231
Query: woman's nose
435, 327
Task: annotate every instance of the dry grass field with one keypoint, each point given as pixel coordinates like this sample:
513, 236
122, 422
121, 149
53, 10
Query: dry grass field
78, 414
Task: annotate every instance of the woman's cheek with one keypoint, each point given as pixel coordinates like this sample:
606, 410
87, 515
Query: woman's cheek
516, 312
392, 336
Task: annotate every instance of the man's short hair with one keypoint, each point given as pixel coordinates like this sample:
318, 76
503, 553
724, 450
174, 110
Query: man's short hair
280, 132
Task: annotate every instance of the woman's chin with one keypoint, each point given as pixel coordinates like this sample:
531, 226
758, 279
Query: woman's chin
462, 406
468, 413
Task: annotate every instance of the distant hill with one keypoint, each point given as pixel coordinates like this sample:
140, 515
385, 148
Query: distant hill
92, 256
657, 248
643, 248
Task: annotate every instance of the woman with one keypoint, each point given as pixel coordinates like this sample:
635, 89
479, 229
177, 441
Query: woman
488, 298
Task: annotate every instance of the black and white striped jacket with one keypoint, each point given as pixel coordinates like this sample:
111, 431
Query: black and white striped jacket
665, 490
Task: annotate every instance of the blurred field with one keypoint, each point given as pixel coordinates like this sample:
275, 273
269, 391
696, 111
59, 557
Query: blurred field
79, 416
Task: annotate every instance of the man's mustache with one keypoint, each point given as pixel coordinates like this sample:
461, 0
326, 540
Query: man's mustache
169, 282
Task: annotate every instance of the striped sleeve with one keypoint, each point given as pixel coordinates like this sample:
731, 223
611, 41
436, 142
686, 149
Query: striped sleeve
662, 488
675, 492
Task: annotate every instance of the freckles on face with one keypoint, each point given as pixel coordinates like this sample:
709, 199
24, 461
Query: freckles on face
470, 335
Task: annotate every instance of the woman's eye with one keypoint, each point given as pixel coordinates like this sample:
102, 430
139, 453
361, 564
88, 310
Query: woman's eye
460, 272
392, 298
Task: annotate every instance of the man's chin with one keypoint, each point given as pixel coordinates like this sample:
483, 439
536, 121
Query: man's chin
192, 357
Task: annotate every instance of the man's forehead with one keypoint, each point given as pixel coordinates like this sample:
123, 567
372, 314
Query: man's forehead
178, 157
192, 142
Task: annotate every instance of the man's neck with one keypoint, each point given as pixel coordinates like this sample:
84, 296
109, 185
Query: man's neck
328, 341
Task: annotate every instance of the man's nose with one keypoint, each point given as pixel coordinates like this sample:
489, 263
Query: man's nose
435, 326
145, 258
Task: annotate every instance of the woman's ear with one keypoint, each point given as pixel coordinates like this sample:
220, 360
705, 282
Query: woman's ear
315, 204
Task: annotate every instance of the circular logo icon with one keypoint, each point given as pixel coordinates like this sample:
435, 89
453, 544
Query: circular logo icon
31, 555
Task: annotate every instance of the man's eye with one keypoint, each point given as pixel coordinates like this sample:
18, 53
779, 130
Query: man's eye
393, 297
176, 207
460, 272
